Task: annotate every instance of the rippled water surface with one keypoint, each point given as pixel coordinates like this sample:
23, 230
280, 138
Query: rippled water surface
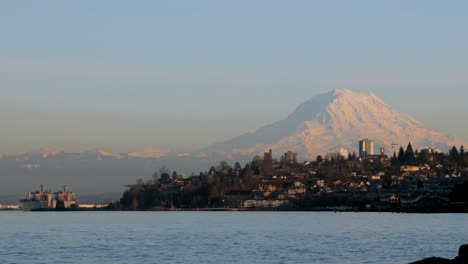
228, 237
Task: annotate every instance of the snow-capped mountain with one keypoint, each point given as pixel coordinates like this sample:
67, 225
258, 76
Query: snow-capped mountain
334, 120
42, 153
148, 153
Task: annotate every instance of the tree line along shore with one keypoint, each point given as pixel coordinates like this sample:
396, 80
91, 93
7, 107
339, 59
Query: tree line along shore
408, 181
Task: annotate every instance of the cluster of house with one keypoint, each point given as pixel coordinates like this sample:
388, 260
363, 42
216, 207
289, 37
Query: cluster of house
266, 183
275, 193
411, 186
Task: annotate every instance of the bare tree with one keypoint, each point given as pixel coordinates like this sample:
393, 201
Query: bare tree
164, 176
155, 177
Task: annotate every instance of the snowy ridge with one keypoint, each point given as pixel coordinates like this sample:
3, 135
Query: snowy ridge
148, 153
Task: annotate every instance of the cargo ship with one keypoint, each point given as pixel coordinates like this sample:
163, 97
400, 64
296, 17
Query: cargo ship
43, 199
40, 199
65, 199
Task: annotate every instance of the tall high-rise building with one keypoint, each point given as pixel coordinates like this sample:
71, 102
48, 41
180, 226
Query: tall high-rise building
268, 162
366, 147
290, 157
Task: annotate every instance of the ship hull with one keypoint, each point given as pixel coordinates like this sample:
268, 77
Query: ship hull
35, 205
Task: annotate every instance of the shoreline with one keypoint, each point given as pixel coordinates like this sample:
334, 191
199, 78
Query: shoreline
401, 211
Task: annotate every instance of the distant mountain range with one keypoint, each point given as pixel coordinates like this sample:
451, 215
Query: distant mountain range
96, 153
323, 124
89, 172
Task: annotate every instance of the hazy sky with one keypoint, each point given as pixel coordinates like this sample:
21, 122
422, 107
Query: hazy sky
124, 75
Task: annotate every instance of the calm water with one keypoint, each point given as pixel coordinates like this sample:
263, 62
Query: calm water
228, 237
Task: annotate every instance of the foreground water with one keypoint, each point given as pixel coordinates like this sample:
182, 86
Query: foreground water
228, 237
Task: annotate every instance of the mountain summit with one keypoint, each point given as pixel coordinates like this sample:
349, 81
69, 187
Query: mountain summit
335, 120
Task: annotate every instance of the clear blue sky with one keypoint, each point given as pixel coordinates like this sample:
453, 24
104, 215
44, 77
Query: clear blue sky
124, 75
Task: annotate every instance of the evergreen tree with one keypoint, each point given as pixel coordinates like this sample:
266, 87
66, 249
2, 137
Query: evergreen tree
462, 155
409, 153
401, 156
453, 154
394, 162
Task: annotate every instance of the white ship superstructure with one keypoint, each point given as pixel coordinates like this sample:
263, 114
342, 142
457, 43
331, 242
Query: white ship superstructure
40, 199
45, 199
66, 199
